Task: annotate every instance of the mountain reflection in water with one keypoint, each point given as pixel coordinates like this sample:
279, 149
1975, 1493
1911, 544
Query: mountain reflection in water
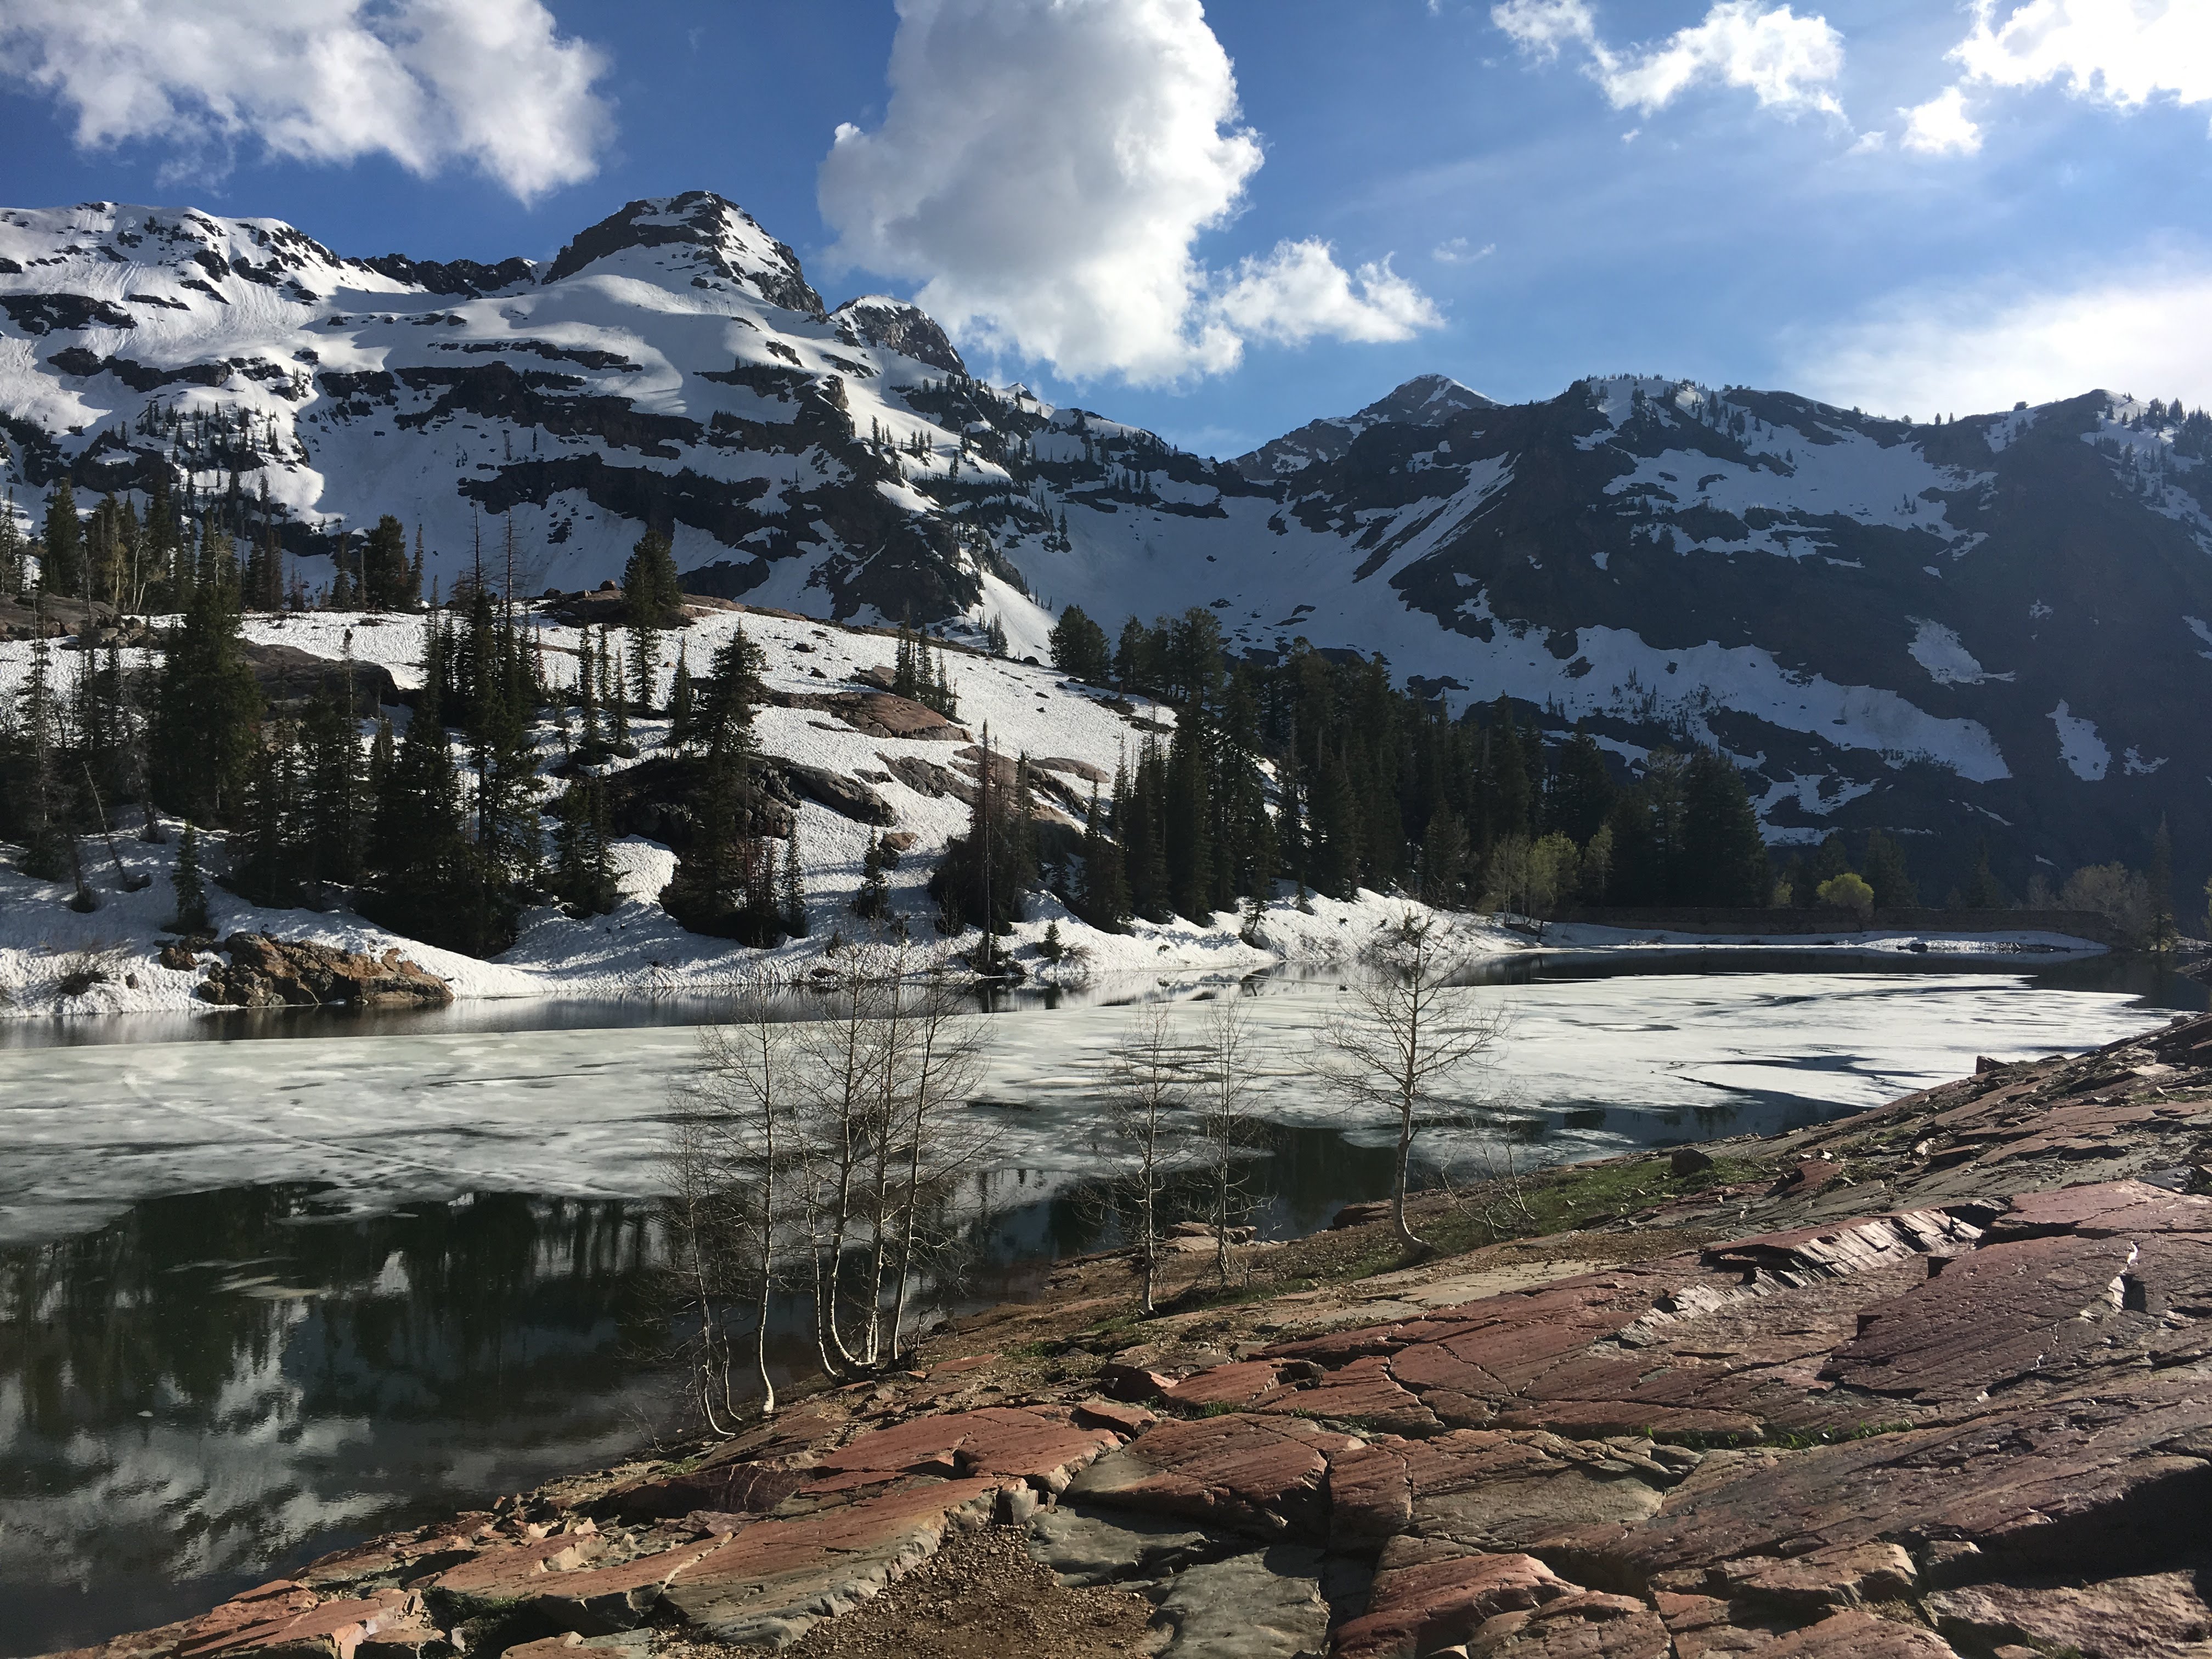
192, 1395
214, 1389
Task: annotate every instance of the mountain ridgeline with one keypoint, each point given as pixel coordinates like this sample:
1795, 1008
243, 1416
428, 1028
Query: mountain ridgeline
1992, 628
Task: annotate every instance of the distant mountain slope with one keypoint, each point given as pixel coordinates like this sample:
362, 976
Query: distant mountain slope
1999, 624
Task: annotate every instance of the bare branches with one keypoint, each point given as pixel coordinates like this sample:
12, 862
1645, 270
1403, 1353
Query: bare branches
1148, 1111
1406, 1036
824, 1153
1227, 1128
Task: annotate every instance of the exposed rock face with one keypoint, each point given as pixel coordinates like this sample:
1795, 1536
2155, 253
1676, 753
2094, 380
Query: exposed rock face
841, 794
878, 320
1872, 1423
292, 677
273, 973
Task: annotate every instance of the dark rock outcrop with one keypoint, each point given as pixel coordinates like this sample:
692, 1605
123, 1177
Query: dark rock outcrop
273, 973
290, 678
841, 795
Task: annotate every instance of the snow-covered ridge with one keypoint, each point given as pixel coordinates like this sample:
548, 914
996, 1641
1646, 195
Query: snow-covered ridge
1669, 561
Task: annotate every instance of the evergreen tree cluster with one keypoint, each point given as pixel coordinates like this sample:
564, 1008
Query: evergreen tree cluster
986, 875
918, 673
1079, 649
730, 880
154, 562
1374, 787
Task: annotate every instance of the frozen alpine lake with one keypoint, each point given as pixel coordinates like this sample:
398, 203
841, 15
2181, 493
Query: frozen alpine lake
262, 1297
1589, 1066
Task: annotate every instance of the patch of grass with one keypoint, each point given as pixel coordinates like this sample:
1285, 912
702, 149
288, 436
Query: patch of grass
1197, 1297
1560, 1200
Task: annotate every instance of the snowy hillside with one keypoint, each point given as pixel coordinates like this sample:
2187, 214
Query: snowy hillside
1068, 731
1993, 625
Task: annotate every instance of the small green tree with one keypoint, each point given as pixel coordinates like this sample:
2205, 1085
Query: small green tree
872, 903
583, 867
1080, 649
651, 595
682, 699
386, 580
1983, 891
191, 889
61, 557
791, 891
1848, 891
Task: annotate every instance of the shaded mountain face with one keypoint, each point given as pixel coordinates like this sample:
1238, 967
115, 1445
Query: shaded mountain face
1998, 625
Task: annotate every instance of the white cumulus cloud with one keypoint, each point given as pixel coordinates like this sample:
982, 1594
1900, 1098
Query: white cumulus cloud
1786, 62
2123, 53
1045, 169
1974, 349
1941, 126
428, 82
2120, 51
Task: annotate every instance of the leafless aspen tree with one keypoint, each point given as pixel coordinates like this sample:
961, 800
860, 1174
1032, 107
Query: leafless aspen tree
1147, 1114
1227, 1128
840, 1064
730, 1203
1406, 1034
940, 1069
819, 1150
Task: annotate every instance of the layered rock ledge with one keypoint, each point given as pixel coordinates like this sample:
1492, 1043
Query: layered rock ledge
1933, 1380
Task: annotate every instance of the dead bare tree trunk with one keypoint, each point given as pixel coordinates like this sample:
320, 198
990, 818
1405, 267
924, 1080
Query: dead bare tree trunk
1146, 1113
1225, 1117
1406, 1036
944, 1065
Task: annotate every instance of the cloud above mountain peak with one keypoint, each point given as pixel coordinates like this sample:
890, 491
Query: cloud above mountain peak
1045, 170
429, 84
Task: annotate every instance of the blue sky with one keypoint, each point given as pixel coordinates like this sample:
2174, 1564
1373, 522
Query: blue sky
1738, 191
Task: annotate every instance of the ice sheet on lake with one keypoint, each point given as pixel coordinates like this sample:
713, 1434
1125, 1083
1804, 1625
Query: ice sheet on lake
582, 1113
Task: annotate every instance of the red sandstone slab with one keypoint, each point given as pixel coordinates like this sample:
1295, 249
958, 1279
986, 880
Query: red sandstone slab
770, 1583
2006, 1312
2147, 1613
330, 1630
498, 1572
1364, 1392
1856, 1635
2107, 1210
599, 1601
1586, 1625
729, 1488
1428, 1595
1235, 1384
1262, 1474
1126, 1421
2034, 1488
769, 1548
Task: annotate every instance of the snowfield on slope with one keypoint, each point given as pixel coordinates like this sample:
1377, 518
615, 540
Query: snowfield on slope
638, 949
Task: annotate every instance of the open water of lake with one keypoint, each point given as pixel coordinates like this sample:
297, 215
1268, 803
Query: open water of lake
262, 1297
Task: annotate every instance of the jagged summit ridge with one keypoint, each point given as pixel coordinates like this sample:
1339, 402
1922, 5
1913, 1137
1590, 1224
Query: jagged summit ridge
876, 319
699, 233
1425, 399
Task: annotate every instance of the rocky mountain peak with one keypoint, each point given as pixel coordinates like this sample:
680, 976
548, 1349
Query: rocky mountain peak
876, 319
1424, 400
708, 234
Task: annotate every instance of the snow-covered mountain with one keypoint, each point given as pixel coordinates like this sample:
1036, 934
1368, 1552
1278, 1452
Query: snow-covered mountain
1997, 624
